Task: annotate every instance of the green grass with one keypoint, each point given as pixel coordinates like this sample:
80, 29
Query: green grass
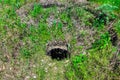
112, 4
117, 27
102, 42
94, 66
37, 9
115, 2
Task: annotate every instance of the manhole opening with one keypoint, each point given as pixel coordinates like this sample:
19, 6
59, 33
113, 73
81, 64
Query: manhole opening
58, 53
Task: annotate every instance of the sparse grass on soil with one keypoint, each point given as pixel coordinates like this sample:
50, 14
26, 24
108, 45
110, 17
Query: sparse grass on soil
27, 26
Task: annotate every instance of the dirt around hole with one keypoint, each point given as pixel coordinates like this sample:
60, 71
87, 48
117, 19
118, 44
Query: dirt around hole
58, 50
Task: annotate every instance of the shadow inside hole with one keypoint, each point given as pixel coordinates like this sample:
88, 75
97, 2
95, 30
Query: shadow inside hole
58, 53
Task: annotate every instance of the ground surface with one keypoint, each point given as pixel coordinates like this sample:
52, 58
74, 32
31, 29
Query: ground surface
27, 27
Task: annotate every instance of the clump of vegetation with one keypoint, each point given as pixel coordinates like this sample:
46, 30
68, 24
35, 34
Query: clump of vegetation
117, 27
102, 42
37, 9
77, 68
111, 2
107, 8
96, 65
25, 53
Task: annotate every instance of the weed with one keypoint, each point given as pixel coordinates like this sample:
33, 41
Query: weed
100, 20
78, 67
107, 8
111, 2
41, 73
65, 18
102, 42
78, 60
106, 13
117, 27
56, 30
11, 13
93, 66
25, 52
37, 9
7, 1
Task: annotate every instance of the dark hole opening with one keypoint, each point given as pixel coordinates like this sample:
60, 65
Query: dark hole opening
58, 53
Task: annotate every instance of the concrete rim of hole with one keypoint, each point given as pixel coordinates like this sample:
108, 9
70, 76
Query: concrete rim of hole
58, 50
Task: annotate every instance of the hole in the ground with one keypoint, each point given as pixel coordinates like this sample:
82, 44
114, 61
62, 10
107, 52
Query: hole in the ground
58, 53
58, 50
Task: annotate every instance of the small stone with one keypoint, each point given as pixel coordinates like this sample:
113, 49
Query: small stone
42, 60
55, 68
10, 68
50, 64
66, 61
34, 76
46, 70
34, 66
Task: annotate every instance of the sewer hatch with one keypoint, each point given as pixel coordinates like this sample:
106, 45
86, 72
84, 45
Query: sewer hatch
58, 50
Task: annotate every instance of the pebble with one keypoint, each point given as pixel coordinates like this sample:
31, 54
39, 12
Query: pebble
34, 77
